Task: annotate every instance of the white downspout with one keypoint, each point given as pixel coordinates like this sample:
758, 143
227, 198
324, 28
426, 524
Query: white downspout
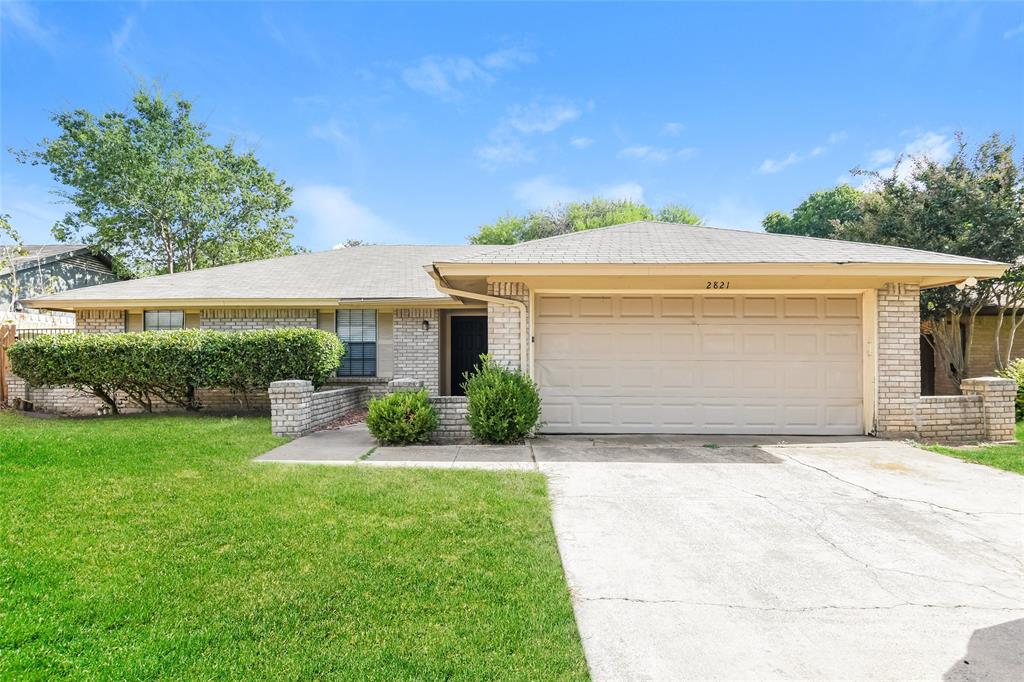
523, 329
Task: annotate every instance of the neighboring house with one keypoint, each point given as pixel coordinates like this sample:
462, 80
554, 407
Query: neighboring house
642, 327
53, 268
934, 377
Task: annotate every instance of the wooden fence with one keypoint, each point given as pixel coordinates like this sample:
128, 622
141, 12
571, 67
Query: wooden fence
7, 333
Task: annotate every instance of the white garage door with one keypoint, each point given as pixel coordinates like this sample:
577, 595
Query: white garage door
699, 364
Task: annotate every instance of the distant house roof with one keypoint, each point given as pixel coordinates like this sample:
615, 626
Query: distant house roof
354, 273
651, 242
39, 254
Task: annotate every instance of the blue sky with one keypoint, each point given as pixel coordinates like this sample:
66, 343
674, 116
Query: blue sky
415, 123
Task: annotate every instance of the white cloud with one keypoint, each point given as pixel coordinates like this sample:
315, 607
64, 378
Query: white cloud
503, 152
331, 131
881, 156
24, 18
769, 166
672, 129
543, 191
929, 145
645, 152
1013, 32
776, 165
328, 215
120, 37
509, 58
632, 191
734, 212
505, 144
538, 117
932, 146
32, 208
581, 142
443, 76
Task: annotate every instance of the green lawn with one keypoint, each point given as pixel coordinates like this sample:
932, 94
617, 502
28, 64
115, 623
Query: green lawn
151, 547
1009, 457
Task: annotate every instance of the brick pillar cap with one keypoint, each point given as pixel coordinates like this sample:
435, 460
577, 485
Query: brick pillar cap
996, 381
292, 383
405, 383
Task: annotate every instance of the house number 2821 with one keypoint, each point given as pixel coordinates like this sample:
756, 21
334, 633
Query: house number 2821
717, 285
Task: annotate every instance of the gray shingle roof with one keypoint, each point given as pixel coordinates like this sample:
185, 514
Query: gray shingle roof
361, 272
33, 254
649, 242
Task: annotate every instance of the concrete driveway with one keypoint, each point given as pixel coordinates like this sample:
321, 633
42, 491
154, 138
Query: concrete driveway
841, 560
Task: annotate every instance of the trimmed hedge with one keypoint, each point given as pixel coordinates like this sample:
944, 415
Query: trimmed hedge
170, 366
503, 404
402, 418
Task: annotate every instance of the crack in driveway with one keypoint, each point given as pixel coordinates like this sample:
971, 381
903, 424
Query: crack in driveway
802, 609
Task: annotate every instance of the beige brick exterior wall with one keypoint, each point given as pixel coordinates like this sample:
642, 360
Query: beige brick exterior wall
983, 352
100, 321
243, 319
418, 350
899, 360
503, 336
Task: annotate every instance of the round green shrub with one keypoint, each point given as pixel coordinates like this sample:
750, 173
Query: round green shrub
402, 418
1016, 372
503, 404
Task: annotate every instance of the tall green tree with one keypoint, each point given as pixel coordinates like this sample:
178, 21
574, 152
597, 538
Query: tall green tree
148, 187
971, 205
823, 214
576, 216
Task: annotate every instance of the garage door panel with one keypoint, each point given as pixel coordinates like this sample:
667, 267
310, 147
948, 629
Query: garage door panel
718, 343
722, 364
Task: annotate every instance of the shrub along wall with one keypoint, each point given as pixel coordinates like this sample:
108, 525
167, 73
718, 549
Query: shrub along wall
152, 369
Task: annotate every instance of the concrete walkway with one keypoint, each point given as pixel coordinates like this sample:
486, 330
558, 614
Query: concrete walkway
743, 558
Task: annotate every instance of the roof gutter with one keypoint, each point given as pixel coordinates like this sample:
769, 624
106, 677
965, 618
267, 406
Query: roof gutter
444, 288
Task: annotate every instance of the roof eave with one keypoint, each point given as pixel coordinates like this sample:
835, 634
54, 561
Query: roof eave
939, 272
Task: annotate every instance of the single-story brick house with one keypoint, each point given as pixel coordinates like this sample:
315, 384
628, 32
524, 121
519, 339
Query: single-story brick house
642, 327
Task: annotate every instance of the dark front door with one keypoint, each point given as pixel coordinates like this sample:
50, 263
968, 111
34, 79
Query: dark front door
469, 342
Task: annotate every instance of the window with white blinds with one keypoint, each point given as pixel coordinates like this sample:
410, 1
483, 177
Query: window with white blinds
163, 320
358, 331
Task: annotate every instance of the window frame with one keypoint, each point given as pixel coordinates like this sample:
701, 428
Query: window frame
367, 365
162, 327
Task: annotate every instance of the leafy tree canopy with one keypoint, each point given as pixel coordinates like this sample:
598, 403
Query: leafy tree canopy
822, 214
971, 205
149, 188
576, 216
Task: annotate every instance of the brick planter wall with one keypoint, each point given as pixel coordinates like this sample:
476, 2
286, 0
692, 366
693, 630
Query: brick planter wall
296, 409
71, 402
951, 419
452, 426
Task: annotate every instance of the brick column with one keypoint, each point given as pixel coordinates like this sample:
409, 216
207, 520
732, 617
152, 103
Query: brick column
291, 407
998, 396
503, 336
417, 346
899, 359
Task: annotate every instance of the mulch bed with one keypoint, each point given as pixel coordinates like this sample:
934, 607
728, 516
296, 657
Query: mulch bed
353, 417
